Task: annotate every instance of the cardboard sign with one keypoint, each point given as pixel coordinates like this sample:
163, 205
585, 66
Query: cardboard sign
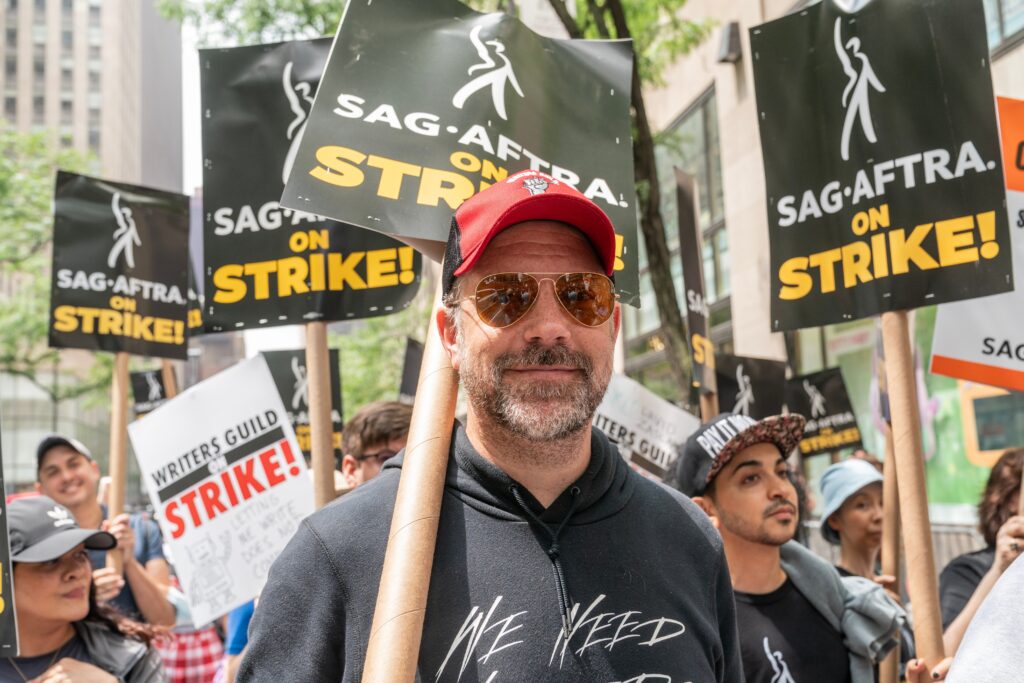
410, 370
8, 617
887, 193
399, 138
702, 351
754, 387
266, 265
649, 430
983, 341
120, 268
289, 371
148, 390
230, 489
821, 397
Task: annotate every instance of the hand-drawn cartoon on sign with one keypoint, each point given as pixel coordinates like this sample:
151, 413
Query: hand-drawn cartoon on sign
289, 371
983, 341
148, 390
750, 386
260, 257
649, 430
871, 209
230, 490
384, 151
120, 268
821, 397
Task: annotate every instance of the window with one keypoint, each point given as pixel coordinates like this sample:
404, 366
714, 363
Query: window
11, 38
38, 109
10, 107
66, 109
1004, 19
66, 40
67, 79
94, 52
94, 81
11, 68
94, 15
94, 139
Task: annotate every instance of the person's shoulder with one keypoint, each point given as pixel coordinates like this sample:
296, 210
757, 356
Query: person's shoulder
975, 563
676, 509
359, 517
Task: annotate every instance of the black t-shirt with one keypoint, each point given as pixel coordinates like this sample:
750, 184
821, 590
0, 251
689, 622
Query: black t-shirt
785, 640
959, 579
33, 667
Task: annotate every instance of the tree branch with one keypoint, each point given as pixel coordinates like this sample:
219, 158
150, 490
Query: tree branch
571, 27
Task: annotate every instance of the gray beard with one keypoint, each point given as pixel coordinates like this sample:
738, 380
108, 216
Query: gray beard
537, 411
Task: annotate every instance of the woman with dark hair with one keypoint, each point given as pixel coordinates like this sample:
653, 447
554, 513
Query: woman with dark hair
966, 581
63, 635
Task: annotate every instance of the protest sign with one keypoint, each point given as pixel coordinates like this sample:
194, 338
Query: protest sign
821, 397
292, 379
887, 194
120, 268
398, 139
649, 430
750, 386
8, 618
148, 390
266, 265
702, 351
230, 490
983, 341
410, 370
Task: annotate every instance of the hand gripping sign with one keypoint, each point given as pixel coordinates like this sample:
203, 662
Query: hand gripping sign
983, 341
230, 490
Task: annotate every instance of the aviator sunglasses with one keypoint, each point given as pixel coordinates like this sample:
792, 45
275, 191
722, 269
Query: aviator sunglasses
502, 299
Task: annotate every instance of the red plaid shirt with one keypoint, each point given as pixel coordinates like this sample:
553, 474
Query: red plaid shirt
191, 657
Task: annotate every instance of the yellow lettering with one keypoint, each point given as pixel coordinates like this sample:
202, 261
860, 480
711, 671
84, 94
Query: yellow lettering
905, 250
391, 174
796, 282
436, 185
228, 282
341, 271
381, 268
956, 241
335, 169
260, 273
856, 264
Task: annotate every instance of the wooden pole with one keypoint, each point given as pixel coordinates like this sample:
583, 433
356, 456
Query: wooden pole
913, 497
170, 379
708, 406
118, 446
889, 671
318, 374
393, 650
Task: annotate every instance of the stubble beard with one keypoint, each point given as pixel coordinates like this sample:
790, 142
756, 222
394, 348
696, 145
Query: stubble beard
535, 411
754, 532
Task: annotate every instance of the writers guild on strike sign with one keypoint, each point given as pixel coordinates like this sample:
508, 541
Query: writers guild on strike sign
895, 200
267, 265
120, 268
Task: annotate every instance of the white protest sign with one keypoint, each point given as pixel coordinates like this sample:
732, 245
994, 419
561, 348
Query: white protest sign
228, 482
644, 425
982, 340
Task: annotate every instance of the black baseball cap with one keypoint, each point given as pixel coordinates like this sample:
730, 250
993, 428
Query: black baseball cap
41, 529
57, 440
715, 443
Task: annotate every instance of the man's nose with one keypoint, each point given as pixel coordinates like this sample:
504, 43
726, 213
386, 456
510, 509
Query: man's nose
547, 323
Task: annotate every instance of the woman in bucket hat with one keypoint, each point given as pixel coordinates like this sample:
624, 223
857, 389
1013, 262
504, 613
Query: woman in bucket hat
63, 635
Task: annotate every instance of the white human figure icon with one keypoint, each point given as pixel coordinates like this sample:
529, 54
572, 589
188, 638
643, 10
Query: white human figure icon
126, 237
155, 390
856, 95
496, 78
779, 667
301, 102
301, 385
745, 395
817, 400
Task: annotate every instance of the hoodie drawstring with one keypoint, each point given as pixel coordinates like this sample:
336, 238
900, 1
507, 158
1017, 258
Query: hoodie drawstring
553, 550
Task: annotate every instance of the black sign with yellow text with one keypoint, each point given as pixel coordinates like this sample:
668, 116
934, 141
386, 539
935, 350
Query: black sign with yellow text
702, 351
882, 160
120, 268
266, 265
425, 103
289, 371
754, 387
821, 397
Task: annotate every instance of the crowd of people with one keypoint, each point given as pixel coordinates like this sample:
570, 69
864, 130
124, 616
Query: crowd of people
554, 559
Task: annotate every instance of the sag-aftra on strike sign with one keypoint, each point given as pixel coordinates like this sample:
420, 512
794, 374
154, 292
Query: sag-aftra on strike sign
882, 160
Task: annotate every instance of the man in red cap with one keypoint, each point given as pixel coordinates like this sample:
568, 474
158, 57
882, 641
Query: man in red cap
554, 560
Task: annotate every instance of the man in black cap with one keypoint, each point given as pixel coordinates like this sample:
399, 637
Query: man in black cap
554, 560
61, 637
798, 620
67, 473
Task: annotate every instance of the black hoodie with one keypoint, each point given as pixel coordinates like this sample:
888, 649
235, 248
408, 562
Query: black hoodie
639, 567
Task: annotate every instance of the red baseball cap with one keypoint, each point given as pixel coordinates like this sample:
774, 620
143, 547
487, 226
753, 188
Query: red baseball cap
525, 196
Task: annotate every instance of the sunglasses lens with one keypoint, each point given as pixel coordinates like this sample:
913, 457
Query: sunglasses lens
504, 298
588, 297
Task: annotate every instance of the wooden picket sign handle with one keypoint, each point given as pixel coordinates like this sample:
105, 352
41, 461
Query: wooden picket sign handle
708, 406
321, 430
889, 671
913, 497
118, 447
393, 651
170, 379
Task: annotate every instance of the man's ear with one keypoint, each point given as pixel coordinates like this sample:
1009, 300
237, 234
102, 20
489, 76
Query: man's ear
349, 465
449, 337
39, 488
708, 507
